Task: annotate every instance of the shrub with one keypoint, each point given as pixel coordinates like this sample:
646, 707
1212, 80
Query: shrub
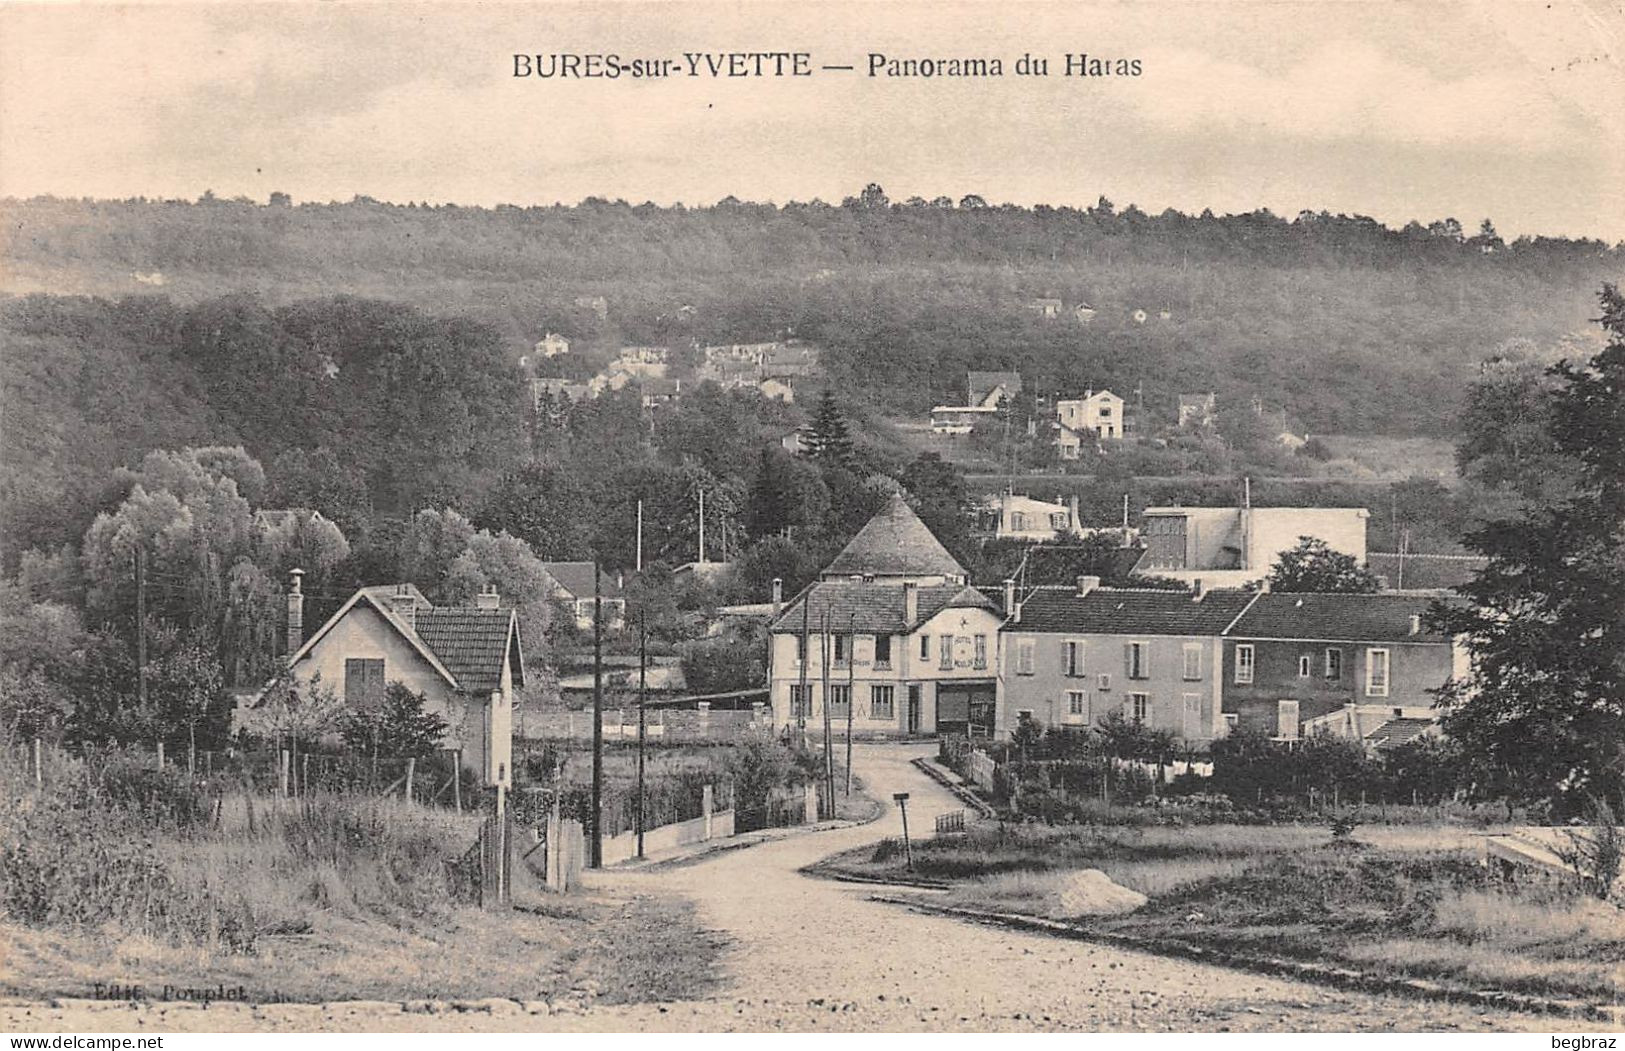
1597, 852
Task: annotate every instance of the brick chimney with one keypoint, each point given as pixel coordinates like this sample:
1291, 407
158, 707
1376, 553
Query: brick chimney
1086, 585
404, 605
488, 598
296, 611
1009, 597
1198, 589
911, 602
778, 595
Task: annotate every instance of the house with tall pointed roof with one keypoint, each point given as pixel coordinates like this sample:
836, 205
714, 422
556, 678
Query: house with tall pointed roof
890, 638
465, 660
895, 544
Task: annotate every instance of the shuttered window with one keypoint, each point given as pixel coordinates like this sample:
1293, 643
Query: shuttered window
363, 679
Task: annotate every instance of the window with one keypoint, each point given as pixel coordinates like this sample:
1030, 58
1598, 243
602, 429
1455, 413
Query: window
981, 651
925, 647
363, 679
1244, 663
1376, 673
1303, 666
945, 652
882, 702
1334, 663
883, 651
840, 648
1137, 660
800, 701
1024, 656
840, 700
1193, 661
1077, 703
1139, 707
1018, 521
1074, 658
801, 648
1057, 520
1105, 412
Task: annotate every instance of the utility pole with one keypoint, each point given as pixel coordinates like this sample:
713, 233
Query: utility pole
640, 536
806, 657
141, 624
702, 525
597, 850
643, 700
829, 736
851, 692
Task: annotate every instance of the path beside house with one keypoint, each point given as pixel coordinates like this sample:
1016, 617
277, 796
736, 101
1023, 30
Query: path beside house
810, 954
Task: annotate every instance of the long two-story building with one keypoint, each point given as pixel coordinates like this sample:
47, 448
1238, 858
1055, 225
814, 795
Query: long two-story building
1071, 656
1363, 666
891, 633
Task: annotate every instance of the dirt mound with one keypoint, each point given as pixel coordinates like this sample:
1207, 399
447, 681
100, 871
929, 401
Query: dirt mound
1090, 892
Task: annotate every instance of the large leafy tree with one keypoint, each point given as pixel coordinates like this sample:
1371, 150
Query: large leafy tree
1541, 715
1313, 566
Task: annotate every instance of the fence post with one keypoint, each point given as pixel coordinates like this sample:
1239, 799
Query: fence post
160, 755
457, 778
411, 767
39, 765
282, 772
707, 797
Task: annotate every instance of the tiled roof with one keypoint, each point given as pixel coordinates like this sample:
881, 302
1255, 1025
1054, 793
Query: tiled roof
471, 643
1128, 611
894, 543
1060, 565
1425, 571
1397, 732
980, 384
576, 578
1380, 617
872, 608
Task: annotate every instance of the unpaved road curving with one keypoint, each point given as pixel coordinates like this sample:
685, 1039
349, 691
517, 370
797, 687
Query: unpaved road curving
809, 954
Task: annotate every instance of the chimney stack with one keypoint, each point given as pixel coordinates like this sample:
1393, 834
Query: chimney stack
405, 605
778, 595
1086, 585
1198, 589
1009, 597
296, 611
1264, 586
488, 598
911, 603
1416, 623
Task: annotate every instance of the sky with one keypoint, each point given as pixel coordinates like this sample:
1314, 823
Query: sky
1512, 111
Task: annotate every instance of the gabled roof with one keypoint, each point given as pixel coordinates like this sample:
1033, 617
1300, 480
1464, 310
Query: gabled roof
1128, 611
576, 578
979, 385
1379, 617
894, 543
466, 646
1060, 565
473, 643
872, 607
1397, 732
1425, 571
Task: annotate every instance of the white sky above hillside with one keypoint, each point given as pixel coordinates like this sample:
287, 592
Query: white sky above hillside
1514, 111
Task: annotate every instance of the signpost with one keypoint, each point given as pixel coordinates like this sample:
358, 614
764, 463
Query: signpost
908, 848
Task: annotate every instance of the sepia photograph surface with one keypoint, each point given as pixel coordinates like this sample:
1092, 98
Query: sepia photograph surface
812, 517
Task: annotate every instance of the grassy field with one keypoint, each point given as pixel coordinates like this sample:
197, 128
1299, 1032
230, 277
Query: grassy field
1403, 901
120, 875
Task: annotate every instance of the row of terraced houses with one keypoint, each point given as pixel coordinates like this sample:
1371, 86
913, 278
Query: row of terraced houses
894, 636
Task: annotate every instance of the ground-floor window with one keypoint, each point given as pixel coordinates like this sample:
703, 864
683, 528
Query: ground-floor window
1139, 705
800, 701
882, 702
1077, 702
840, 700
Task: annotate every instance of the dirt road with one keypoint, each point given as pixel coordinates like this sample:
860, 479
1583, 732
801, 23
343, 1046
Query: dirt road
809, 954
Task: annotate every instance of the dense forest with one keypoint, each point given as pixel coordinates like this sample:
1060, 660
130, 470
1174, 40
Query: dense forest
1350, 326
